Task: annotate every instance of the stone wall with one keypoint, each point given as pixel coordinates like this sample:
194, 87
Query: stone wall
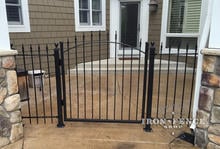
11, 128
207, 134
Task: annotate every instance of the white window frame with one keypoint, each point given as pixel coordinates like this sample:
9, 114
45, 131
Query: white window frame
84, 27
164, 34
25, 26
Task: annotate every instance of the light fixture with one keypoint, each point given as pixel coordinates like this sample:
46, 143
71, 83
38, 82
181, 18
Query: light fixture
153, 5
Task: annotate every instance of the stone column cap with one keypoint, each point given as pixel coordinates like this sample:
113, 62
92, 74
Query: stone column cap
8, 52
214, 52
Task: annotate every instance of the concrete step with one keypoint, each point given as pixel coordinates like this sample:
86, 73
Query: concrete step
102, 66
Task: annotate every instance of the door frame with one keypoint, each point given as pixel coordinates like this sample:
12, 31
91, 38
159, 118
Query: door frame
115, 23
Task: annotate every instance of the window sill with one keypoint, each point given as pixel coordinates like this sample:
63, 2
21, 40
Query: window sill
90, 28
18, 28
174, 51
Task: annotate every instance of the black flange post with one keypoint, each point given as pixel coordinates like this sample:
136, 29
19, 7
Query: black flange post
147, 127
58, 87
145, 80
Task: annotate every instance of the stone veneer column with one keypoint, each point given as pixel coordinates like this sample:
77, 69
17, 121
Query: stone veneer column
11, 128
207, 134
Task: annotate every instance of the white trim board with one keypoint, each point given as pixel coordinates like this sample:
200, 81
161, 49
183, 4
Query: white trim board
202, 44
4, 36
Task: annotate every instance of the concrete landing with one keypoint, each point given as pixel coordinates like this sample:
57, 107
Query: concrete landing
100, 136
125, 65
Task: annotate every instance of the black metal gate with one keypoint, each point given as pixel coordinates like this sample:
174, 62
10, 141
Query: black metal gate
93, 87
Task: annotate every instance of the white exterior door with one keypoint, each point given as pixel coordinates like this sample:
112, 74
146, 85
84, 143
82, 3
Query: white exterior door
129, 19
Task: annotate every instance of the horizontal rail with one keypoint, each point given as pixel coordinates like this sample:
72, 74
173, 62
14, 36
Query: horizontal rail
103, 120
27, 117
98, 42
35, 54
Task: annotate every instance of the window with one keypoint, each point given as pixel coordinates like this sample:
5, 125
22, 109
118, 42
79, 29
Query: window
13, 8
17, 15
90, 15
181, 23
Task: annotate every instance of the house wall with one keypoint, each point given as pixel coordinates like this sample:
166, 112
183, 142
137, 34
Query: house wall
155, 25
52, 21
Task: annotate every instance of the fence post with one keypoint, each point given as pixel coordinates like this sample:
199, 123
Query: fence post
145, 80
63, 95
58, 87
150, 89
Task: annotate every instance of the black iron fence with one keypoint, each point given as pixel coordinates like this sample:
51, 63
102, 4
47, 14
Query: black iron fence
174, 78
35, 69
80, 81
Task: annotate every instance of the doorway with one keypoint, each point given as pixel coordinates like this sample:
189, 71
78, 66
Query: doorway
129, 21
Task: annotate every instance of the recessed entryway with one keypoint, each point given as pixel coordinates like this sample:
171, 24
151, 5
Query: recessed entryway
129, 23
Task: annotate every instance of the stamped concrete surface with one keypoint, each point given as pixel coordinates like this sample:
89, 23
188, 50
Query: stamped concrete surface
101, 136
17, 145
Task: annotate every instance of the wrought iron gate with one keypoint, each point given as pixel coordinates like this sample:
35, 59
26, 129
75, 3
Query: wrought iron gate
98, 88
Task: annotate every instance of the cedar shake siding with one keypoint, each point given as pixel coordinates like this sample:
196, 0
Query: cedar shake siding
52, 21
155, 25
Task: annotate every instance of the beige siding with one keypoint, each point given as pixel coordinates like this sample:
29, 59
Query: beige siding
155, 24
52, 21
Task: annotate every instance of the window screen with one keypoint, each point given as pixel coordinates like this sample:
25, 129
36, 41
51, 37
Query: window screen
183, 19
184, 16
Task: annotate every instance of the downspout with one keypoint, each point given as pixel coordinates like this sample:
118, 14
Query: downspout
201, 45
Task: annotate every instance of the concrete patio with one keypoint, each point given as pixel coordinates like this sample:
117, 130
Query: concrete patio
100, 136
